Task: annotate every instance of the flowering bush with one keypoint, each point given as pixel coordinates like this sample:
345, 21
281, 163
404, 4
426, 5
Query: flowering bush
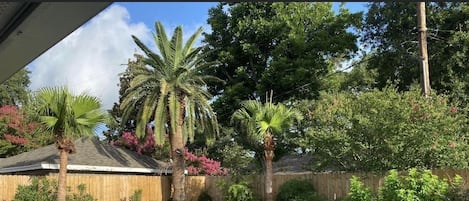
17, 133
201, 165
196, 165
131, 141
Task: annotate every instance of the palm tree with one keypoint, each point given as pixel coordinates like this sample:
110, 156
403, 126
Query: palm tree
171, 91
262, 122
67, 117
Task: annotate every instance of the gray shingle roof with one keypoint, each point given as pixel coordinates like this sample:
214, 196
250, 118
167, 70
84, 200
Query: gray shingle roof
90, 152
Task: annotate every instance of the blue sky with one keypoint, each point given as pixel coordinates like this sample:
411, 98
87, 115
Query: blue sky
90, 58
188, 13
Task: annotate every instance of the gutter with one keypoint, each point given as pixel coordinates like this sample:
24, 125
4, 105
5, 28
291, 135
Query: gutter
48, 166
25, 10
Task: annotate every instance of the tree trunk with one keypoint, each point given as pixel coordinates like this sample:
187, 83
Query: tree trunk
177, 148
62, 188
268, 179
269, 155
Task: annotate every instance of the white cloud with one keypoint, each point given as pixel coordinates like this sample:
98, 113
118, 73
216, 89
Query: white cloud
91, 58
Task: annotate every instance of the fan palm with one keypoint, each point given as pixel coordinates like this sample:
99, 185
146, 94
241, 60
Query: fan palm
67, 117
170, 91
262, 122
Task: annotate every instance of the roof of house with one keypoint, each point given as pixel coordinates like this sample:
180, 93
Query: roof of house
290, 164
91, 155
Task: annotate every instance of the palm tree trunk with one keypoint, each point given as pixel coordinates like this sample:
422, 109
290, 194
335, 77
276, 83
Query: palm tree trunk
268, 179
269, 156
177, 147
62, 188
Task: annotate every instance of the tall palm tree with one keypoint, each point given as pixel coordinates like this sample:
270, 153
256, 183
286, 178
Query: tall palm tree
67, 117
171, 91
262, 122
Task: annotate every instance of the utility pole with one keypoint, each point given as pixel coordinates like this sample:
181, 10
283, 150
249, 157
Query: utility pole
423, 55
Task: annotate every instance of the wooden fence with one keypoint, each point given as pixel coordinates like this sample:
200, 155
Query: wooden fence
102, 187
118, 187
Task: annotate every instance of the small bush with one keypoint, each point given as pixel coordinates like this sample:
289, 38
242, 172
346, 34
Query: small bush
137, 196
417, 185
358, 191
239, 192
457, 193
46, 190
82, 195
43, 190
297, 190
204, 196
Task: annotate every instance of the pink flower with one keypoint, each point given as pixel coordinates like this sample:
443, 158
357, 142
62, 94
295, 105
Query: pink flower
131, 141
453, 109
15, 139
201, 165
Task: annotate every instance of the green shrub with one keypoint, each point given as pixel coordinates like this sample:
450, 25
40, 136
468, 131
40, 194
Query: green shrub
239, 192
379, 130
81, 196
204, 196
41, 190
457, 193
137, 196
358, 191
297, 190
46, 190
417, 185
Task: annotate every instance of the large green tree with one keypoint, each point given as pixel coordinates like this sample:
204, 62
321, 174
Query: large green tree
262, 122
172, 90
67, 116
378, 130
14, 91
284, 47
390, 31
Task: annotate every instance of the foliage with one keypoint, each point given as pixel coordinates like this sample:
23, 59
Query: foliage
386, 129
417, 185
390, 31
232, 156
297, 190
46, 190
196, 165
172, 78
18, 133
258, 123
67, 115
131, 141
39, 189
82, 195
201, 165
204, 196
358, 191
14, 90
137, 196
239, 192
284, 47
457, 193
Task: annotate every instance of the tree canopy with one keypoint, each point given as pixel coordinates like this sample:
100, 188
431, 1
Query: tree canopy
284, 47
390, 30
